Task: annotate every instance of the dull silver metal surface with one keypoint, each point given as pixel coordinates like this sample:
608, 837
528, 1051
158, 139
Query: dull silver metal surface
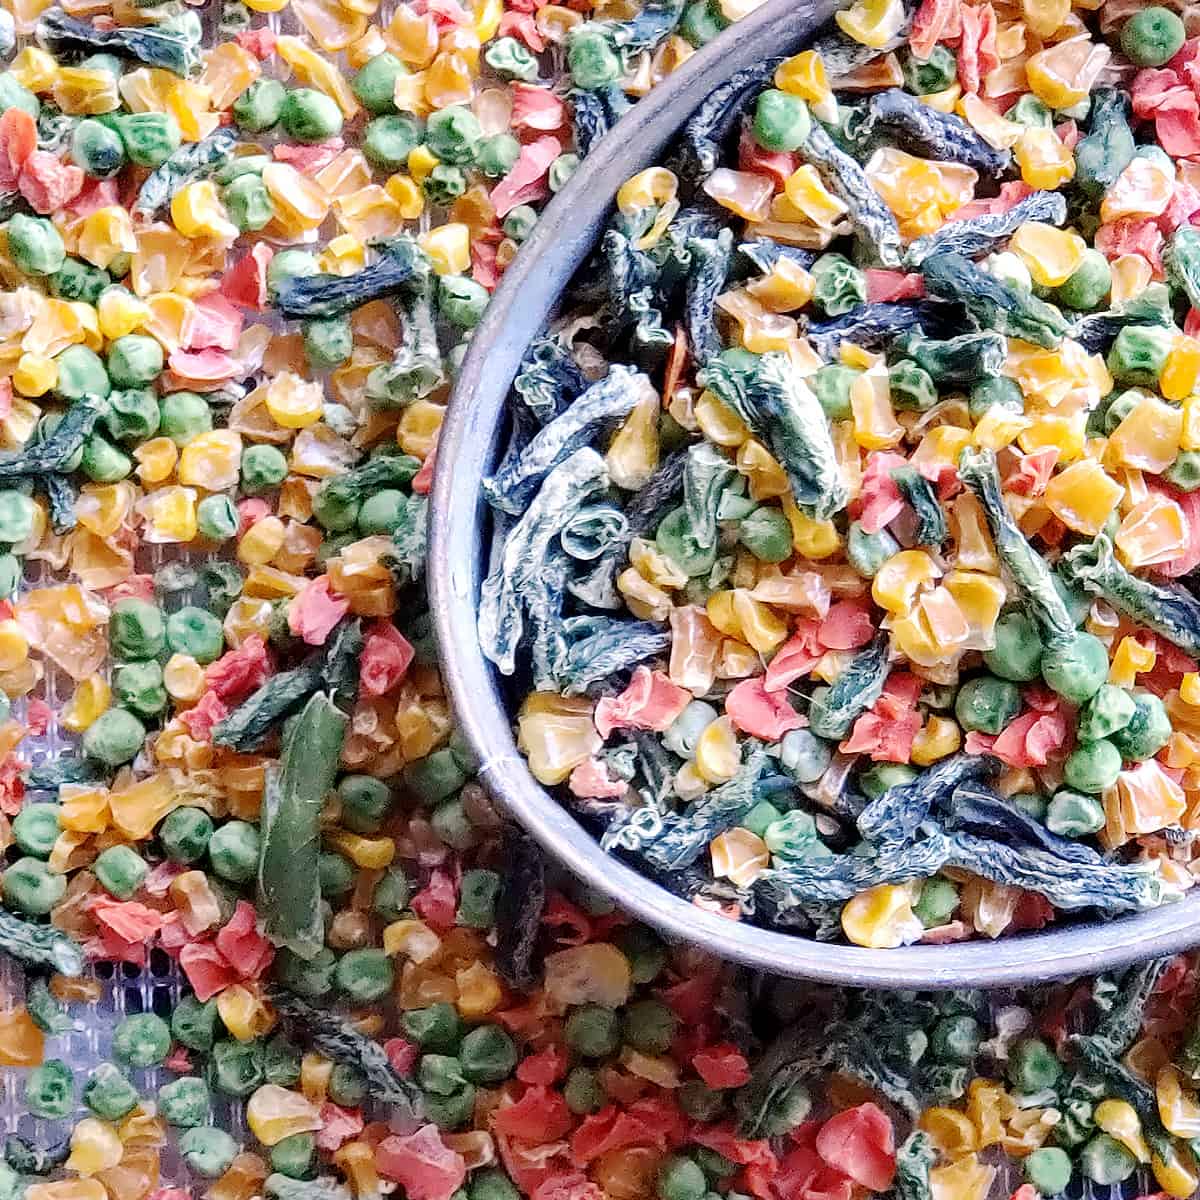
459, 522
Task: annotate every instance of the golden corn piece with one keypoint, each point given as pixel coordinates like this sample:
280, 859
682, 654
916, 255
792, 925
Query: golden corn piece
411, 938
939, 738
245, 1013
95, 1147
479, 992
371, 854
718, 754
274, 1113
262, 541
881, 918
1130, 660
35, 374
183, 677
91, 697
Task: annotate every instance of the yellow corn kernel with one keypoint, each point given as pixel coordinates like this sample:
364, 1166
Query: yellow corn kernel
965, 1179
414, 939
479, 991
1062, 75
1149, 437
1189, 688
120, 312
35, 374
1131, 660
262, 541
739, 856
998, 427
644, 600
1176, 1173
872, 22
244, 1013
1065, 434
14, 645
197, 211
183, 677
315, 1073
950, 1130
1083, 496
810, 198
1120, 1121
804, 75
1052, 255
407, 194
294, 403
787, 287
84, 809
274, 1113
1181, 370
156, 460
418, 429
171, 514
345, 255
91, 697
944, 101
34, 69
1189, 438
718, 754
632, 455
421, 162
738, 615
881, 918
939, 738
1178, 1108
996, 130
718, 422
1044, 160
875, 424
900, 578
372, 854
211, 460
95, 1147
448, 247
812, 539
356, 1160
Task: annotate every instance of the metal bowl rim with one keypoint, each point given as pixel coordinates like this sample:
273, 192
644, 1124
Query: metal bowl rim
523, 301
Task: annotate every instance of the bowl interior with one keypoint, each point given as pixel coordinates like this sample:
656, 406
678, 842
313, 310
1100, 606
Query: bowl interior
460, 538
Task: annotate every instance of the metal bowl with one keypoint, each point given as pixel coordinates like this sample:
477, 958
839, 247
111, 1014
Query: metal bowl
467, 450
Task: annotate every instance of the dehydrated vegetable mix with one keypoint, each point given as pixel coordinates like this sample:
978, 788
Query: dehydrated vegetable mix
849, 513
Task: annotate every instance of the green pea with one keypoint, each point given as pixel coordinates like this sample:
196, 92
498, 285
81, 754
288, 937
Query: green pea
650, 1026
114, 737
955, 1039
365, 802
1017, 654
29, 886
78, 280
1093, 766
1030, 112
934, 74
781, 121
645, 952
248, 203
233, 851
1139, 354
461, 300
451, 823
347, 1085
81, 373
491, 1183
193, 1021
1105, 1161
136, 630
1110, 709
134, 360
132, 415
336, 874
34, 245
444, 184
149, 138
388, 141
365, 975
1089, 284
1048, 1168
327, 343
185, 835
912, 387
838, 285
13, 95
196, 632
519, 223
436, 777
987, 703
436, 1029
294, 1156
867, 552
1147, 731
312, 977
208, 1151
259, 106
477, 899
591, 60
141, 1040
375, 83
217, 518
995, 390
390, 898
1152, 36
310, 116
333, 513
184, 1103
1032, 1065
487, 1055
290, 264
677, 540
236, 1068
509, 59
561, 170
139, 688
593, 1031
767, 534
452, 134
700, 1102
121, 870
761, 817
883, 777
184, 416
1075, 667
937, 902
50, 1090
583, 1091
681, 1178
108, 1094
1184, 472
102, 462
1072, 814
35, 829
452, 1111
16, 516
